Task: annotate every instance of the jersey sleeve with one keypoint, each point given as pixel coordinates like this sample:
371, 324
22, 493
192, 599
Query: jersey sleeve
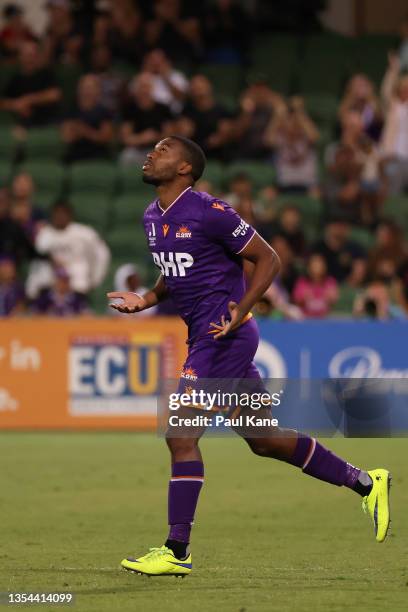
222, 224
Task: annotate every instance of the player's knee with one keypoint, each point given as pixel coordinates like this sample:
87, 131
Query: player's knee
181, 446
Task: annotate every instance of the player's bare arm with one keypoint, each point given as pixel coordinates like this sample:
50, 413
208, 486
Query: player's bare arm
266, 265
133, 302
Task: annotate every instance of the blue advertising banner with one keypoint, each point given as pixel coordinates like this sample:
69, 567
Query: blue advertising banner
333, 349
328, 354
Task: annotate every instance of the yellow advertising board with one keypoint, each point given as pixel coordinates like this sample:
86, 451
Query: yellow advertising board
86, 373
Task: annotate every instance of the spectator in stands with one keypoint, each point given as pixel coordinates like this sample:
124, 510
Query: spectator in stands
389, 245
169, 30
170, 86
259, 105
23, 209
293, 136
360, 96
266, 210
14, 242
372, 182
12, 297
227, 32
376, 302
64, 39
353, 188
241, 197
127, 278
123, 32
403, 50
14, 32
88, 128
395, 134
288, 274
74, 246
289, 226
276, 303
111, 83
316, 292
60, 300
205, 120
345, 258
32, 93
143, 120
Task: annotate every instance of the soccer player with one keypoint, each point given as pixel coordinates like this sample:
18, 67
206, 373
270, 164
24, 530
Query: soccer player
199, 244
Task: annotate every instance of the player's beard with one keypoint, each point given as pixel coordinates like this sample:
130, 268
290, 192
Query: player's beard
151, 180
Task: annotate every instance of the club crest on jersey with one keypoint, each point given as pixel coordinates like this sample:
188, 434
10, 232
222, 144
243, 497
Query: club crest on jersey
183, 232
165, 229
218, 206
189, 373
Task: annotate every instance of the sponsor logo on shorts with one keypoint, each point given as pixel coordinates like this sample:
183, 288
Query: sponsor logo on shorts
183, 232
218, 206
241, 230
189, 373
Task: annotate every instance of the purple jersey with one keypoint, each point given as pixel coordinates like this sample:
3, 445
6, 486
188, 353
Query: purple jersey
195, 243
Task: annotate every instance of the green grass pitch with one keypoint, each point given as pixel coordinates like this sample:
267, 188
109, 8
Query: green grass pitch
266, 537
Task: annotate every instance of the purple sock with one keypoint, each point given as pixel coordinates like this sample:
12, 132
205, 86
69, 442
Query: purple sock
184, 488
319, 462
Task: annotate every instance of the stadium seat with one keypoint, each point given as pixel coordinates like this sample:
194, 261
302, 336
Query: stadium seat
396, 207
8, 144
67, 76
344, 304
214, 173
326, 63
44, 143
129, 241
363, 237
128, 208
275, 58
227, 80
49, 178
311, 210
93, 209
371, 55
262, 174
95, 176
5, 172
323, 109
130, 182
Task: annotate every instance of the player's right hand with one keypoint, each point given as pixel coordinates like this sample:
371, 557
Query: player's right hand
131, 302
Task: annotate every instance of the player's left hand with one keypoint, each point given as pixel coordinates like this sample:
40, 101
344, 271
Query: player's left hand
225, 326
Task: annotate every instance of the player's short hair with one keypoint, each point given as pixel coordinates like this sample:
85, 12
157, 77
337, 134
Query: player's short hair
194, 156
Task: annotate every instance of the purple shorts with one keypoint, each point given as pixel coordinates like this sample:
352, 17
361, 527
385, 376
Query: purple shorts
228, 360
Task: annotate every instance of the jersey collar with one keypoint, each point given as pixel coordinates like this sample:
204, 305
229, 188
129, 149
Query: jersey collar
163, 212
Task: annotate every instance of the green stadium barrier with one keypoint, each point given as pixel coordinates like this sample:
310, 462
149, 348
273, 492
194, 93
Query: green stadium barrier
128, 242
262, 174
96, 176
93, 209
45, 143
128, 209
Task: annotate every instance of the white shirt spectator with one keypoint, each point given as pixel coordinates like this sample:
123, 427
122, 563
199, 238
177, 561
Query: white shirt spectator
79, 250
162, 90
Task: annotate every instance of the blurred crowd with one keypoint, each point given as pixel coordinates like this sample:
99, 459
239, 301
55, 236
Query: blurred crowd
119, 116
